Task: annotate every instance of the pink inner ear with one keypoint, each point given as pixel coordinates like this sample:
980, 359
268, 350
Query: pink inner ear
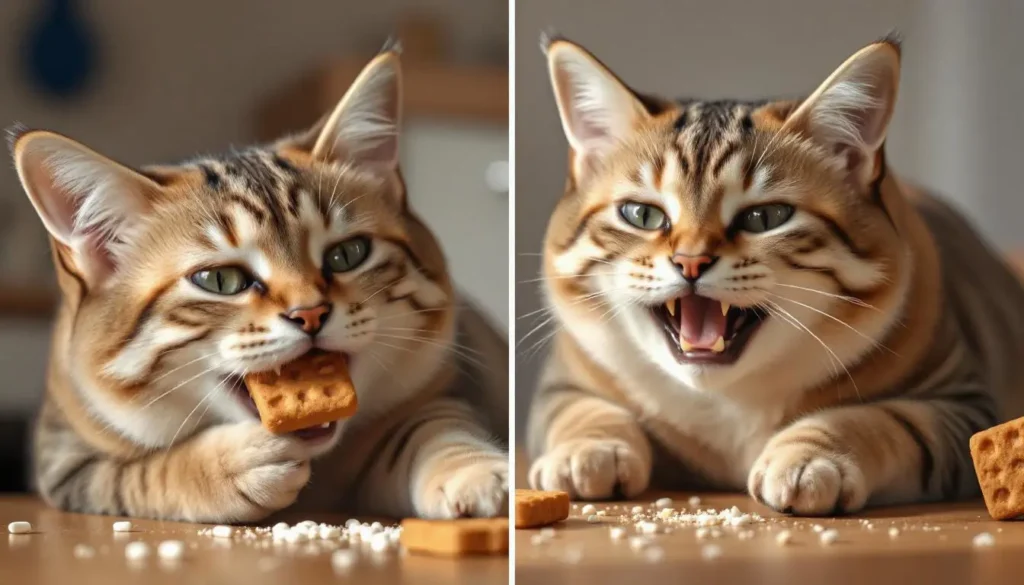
98, 255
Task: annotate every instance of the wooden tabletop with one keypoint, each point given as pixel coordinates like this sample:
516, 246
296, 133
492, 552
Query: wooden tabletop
47, 555
934, 546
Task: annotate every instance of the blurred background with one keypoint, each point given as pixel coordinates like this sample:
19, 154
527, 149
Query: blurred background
958, 127
147, 82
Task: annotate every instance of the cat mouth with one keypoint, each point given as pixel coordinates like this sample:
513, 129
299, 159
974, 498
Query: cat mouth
705, 330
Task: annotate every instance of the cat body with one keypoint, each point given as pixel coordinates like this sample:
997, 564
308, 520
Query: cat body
180, 280
748, 298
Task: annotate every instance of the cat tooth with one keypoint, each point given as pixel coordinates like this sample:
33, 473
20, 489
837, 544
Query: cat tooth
277, 369
671, 306
719, 345
325, 425
683, 345
725, 308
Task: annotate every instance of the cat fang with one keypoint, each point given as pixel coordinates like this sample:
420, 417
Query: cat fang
703, 330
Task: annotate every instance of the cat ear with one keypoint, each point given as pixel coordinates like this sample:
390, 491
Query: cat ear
598, 110
86, 201
849, 113
363, 128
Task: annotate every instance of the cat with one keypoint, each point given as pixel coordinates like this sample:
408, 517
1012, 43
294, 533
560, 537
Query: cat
179, 280
749, 299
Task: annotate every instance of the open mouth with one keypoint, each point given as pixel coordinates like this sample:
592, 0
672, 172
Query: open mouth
314, 434
706, 330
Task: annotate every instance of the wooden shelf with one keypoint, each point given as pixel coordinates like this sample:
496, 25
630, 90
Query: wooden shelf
27, 303
433, 89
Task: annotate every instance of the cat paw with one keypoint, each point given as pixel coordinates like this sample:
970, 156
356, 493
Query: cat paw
592, 469
261, 472
476, 490
803, 479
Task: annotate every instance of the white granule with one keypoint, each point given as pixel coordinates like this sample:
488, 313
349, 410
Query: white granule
829, 536
894, 532
593, 519
783, 538
137, 550
869, 526
222, 531
702, 533
19, 528
983, 540
83, 551
639, 542
376, 527
694, 501
818, 528
710, 552
666, 513
741, 520
123, 526
601, 513
647, 527
380, 542
617, 533
663, 503
352, 524
307, 524
296, 535
343, 559
638, 509
280, 528
171, 550
538, 539
547, 532
329, 532
654, 554
588, 510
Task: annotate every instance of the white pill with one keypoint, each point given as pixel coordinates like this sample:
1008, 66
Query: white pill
783, 538
638, 509
123, 526
818, 528
329, 532
593, 518
222, 531
376, 527
83, 551
380, 542
538, 539
663, 503
280, 528
343, 559
647, 527
694, 501
307, 524
829, 536
701, 533
19, 528
352, 523
547, 532
171, 550
588, 510
137, 550
894, 532
296, 534
617, 533
983, 540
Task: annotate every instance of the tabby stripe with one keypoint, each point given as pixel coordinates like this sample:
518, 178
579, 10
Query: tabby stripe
258, 214
87, 461
730, 150
795, 265
840, 234
748, 172
213, 180
82, 289
405, 247
581, 228
227, 226
168, 349
117, 488
284, 165
558, 392
876, 186
403, 440
927, 459
143, 317
293, 199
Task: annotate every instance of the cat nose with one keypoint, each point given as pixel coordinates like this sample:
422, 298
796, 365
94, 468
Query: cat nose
309, 319
692, 267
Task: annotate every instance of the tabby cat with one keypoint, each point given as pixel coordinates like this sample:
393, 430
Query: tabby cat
179, 280
748, 297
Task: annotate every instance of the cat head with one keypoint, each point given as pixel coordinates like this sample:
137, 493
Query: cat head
179, 280
723, 238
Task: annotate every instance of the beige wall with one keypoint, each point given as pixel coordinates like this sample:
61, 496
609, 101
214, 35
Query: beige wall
958, 127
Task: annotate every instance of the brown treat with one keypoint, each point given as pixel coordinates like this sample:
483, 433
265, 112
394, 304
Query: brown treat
310, 391
998, 455
471, 536
536, 508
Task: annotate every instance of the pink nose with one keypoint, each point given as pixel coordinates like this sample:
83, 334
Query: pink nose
692, 267
309, 319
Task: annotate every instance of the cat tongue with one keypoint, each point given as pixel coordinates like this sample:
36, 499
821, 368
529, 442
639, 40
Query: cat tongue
701, 321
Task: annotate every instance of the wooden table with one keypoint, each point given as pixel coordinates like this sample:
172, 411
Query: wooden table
46, 556
934, 547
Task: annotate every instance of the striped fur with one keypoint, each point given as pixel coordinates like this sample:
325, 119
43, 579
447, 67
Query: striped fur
893, 331
144, 412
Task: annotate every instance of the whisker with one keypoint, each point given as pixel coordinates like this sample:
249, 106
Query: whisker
851, 300
205, 398
873, 341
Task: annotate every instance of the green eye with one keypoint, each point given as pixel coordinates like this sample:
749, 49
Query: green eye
764, 217
226, 280
347, 255
643, 216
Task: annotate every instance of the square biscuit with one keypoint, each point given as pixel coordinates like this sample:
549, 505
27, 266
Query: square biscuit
470, 536
998, 455
536, 508
309, 391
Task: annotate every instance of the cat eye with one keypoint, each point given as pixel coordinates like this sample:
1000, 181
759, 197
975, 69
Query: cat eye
347, 255
643, 216
225, 280
764, 217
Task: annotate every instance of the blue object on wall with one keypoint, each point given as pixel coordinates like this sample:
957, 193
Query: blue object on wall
59, 51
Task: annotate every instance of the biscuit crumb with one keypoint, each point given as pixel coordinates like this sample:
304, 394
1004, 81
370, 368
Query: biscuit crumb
818, 528
694, 501
593, 519
983, 540
783, 538
638, 509
894, 532
829, 537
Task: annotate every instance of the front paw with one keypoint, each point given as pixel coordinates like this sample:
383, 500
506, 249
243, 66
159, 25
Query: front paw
592, 469
260, 472
478, 489
804, 479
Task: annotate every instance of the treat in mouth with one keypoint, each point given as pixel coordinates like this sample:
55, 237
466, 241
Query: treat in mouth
306, 396
706, 330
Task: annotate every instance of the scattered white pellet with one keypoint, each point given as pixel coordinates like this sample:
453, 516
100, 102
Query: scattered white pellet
170, 550
593, 519
538, 539
818, 528
639, 542
588, 509
783, 538
741, 520
666, 513
715, 533
894, 532
280, 528
352, 524
83, 551
663, 503
329, 532
654, 554
638, 510
135, 551
547, 532
983, 540
296, 535
222, 531
19, 528
617, 533
694, 501
702, 533
710, 552
123, 526
601, 513
380, 542
829, 536
307, 524
343, 559
572, 555
647, 527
